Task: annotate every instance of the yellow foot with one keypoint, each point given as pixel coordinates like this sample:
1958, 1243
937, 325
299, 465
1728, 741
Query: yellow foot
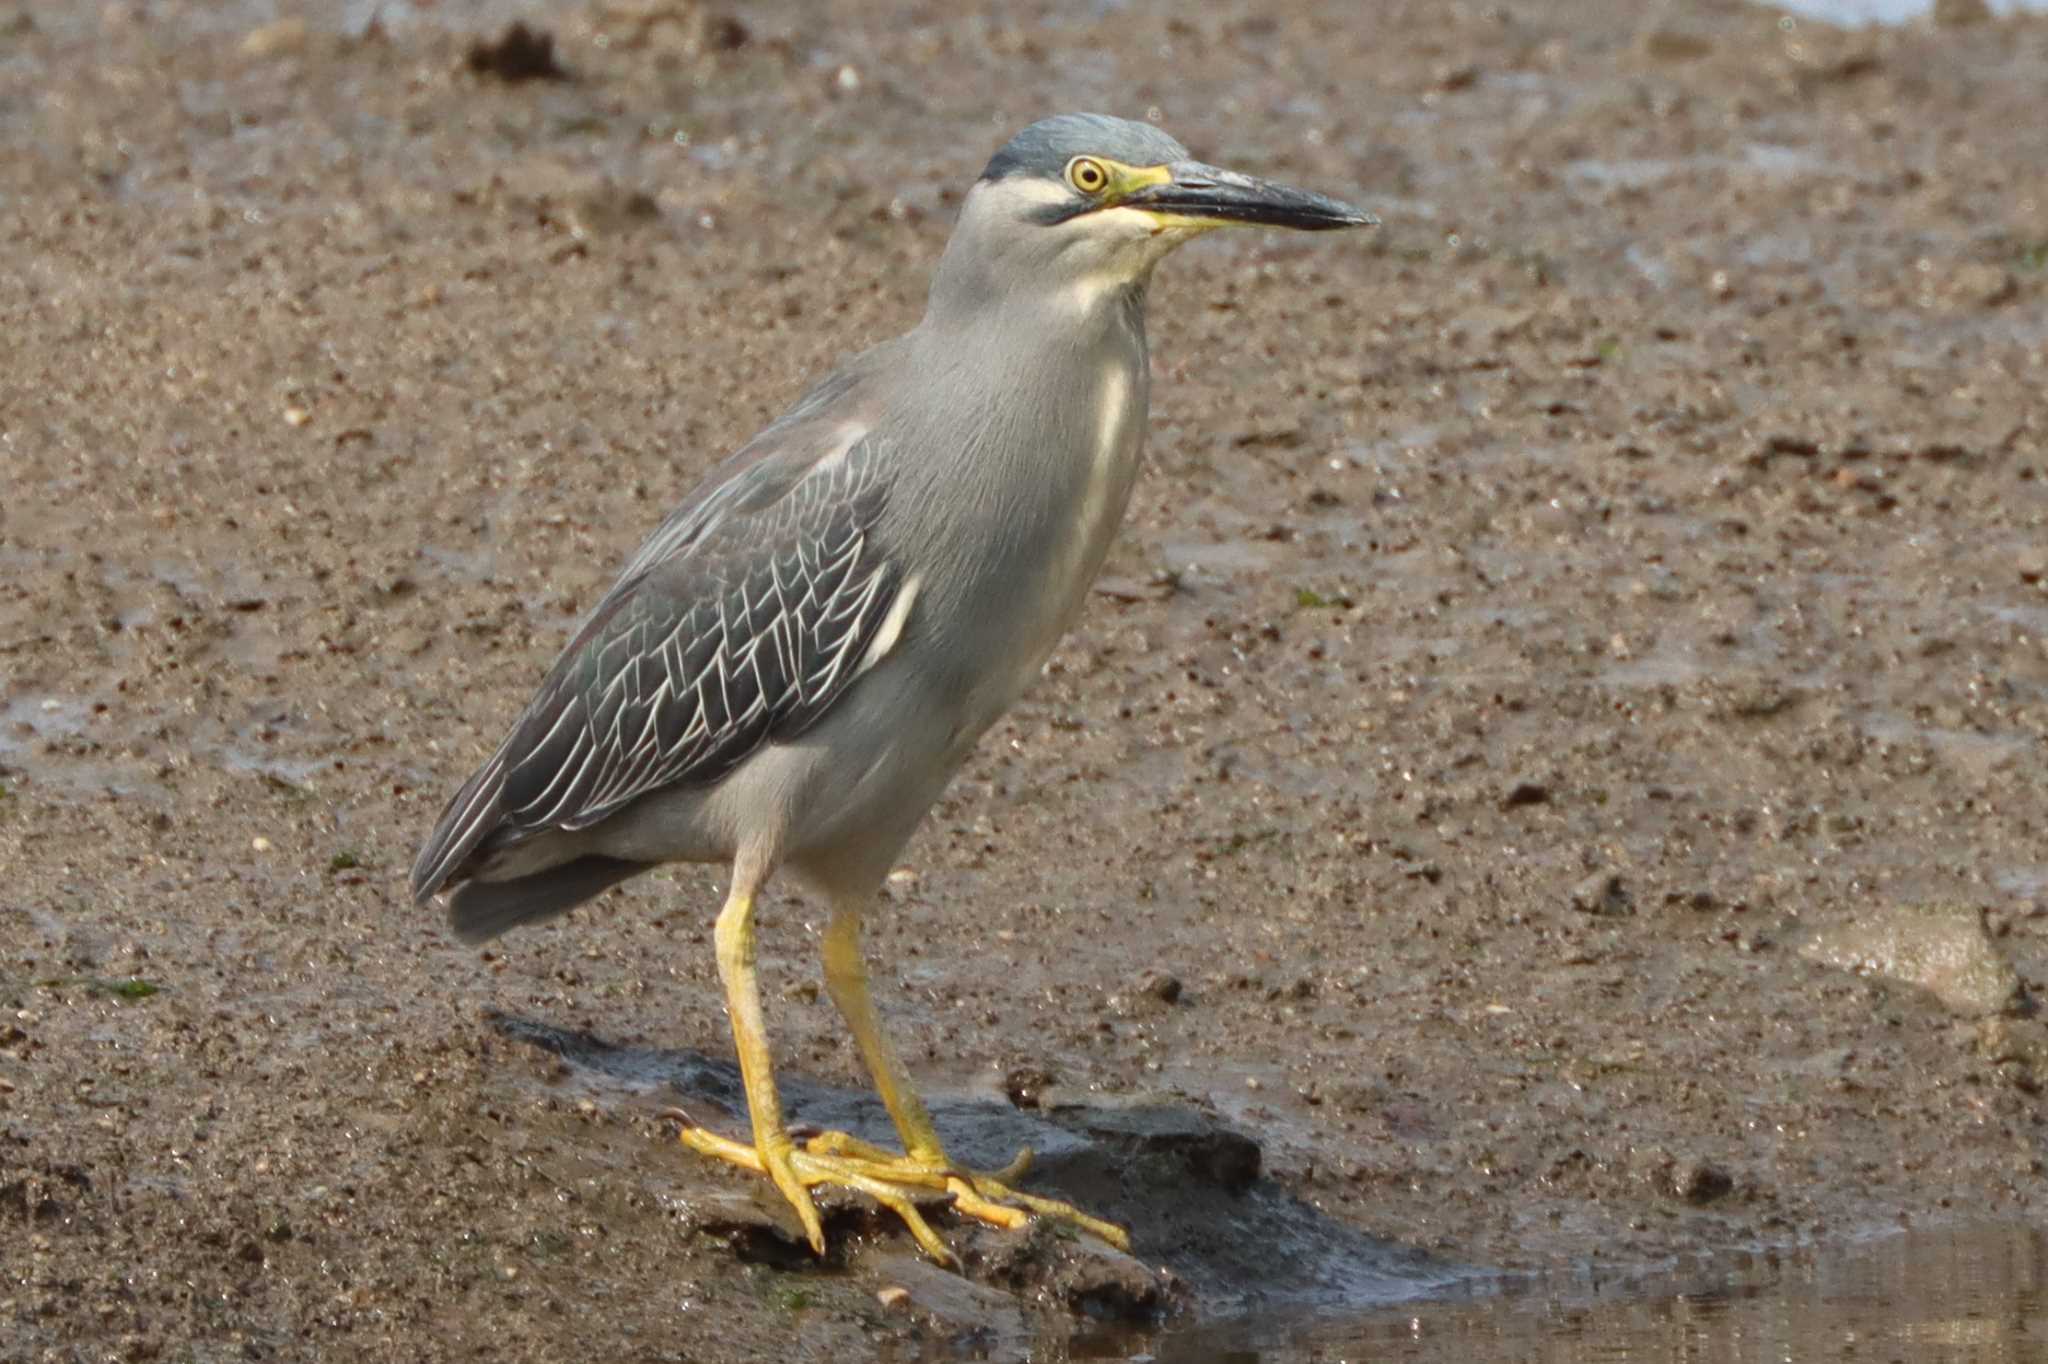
896, 1182
987, 1196
804, 1172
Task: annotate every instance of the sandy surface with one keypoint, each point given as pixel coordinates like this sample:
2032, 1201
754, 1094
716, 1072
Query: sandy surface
1566, 713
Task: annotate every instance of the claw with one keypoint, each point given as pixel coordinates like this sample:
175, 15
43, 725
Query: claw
895, 1181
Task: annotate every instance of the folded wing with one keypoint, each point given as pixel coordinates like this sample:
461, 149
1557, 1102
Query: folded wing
740, 622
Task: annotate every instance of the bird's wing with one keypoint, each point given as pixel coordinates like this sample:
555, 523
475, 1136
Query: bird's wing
741, 620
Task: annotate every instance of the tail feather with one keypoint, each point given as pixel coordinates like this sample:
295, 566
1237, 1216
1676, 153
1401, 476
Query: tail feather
481, 910
471, 817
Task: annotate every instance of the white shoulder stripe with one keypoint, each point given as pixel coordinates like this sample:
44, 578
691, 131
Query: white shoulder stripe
892, 625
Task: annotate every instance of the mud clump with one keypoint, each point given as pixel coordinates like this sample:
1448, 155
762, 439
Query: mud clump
1943, 949
2018, 1047
1084, 1276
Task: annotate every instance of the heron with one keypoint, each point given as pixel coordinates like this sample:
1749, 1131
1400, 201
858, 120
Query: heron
793, 665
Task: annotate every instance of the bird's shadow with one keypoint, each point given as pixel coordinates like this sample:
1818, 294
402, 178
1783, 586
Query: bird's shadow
1187, 1186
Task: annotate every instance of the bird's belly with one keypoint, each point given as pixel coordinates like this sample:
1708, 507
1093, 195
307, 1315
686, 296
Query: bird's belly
836, 803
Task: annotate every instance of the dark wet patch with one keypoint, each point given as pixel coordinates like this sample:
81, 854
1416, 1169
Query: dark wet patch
1209, 1233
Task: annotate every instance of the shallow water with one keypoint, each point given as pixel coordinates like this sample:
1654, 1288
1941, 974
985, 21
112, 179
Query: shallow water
1972, 1293
1856, 13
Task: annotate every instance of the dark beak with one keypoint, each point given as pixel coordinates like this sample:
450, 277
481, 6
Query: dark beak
1209, 194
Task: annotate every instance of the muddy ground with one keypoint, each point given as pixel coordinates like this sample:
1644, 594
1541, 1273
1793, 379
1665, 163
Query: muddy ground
1548, 787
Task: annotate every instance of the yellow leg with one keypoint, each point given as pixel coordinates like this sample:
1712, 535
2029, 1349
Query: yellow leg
846, 980
924, 1162
894, 1181
773, 1148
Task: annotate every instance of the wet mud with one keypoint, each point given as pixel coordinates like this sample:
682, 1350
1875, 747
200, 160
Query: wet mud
1547, 789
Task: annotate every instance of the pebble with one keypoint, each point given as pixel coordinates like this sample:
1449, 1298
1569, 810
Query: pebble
1025, 1085
894, 1298
1161, 986
280, 39
1698, 1182
2020, 1044
1601, 893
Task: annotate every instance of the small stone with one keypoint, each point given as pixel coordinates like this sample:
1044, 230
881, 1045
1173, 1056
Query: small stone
1699, 1183
1026, 1085
1739, 695
2018, 1047
894, 1298
1603, 892
296, 416
1525, 793
260, 844
522, 54
1984, 285
609, 209
1161, 986
280, 39
2031, 563
848, 80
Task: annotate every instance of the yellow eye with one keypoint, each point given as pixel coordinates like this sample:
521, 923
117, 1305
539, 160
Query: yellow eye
1088, 175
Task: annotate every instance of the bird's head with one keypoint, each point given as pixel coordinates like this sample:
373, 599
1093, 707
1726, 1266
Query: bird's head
1086, 205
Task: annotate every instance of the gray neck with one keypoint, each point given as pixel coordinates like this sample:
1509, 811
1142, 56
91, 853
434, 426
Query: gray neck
999, 275
1021, 475
1029, 363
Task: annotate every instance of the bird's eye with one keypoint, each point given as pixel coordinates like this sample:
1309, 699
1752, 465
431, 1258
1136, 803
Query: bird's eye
1087, 174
